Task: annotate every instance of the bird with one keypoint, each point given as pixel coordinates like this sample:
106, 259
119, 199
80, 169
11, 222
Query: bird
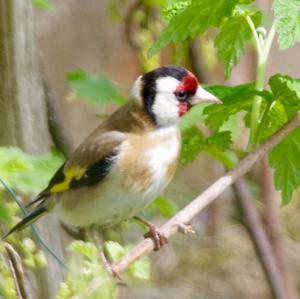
128, 160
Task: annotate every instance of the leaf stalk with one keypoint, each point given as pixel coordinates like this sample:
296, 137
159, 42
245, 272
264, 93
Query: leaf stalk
263, 47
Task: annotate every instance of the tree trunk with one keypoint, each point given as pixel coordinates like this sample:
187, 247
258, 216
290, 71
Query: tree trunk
23, 117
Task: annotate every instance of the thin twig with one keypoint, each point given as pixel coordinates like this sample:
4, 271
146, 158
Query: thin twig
205, 198
260, 240
16, 270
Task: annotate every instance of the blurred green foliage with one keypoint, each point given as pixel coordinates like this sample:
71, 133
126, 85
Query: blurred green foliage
27, 173
43, 4
87, 278
94, 89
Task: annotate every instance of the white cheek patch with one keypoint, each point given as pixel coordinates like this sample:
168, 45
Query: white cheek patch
165, 109
165, 106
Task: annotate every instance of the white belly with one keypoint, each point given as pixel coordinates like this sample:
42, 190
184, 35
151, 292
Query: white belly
113, 200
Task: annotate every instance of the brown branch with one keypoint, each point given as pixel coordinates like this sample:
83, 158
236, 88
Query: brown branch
205, 198
16, 270
273, 227
260, 240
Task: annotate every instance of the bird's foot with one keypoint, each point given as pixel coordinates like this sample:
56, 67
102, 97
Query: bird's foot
157, 237
114, 273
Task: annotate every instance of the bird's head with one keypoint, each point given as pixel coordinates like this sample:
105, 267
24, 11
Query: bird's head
168, 92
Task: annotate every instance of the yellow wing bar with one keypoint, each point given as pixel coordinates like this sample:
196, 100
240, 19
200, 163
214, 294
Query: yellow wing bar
73, 173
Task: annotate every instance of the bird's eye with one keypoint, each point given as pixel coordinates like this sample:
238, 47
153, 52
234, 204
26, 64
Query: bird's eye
182, 95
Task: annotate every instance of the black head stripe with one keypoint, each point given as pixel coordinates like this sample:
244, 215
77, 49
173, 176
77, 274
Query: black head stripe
149, 84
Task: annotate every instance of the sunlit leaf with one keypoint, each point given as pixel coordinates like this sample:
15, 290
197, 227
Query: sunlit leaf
287, 22
194, 20
285, 159
233, 37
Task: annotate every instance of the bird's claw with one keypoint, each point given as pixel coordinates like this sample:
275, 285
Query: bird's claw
158, 238
110, 269
186, 228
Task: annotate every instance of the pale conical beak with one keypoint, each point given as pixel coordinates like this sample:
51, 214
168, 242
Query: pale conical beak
203, 96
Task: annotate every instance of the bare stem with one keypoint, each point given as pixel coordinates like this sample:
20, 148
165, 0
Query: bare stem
263, 48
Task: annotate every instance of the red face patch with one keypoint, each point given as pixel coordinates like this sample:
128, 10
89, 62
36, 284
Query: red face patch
189, 83
183, 108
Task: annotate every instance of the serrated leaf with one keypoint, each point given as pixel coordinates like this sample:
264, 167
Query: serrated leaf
192, 144
94, 89
287, 22
273, 120
285, 159
286, 89
231, 40
194, 20
235, 99
175, 9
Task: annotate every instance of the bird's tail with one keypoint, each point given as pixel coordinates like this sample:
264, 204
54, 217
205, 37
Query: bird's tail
29, 219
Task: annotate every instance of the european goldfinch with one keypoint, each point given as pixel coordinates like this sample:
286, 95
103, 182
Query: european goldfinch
128, 160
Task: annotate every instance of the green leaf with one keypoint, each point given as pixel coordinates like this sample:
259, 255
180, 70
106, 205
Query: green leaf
235, 99
275, 117
175, 9
222, 140
193, 142
43, 4
286, 89
232, 39
287, 22
285, 159
96, 90
195, 116
194, 20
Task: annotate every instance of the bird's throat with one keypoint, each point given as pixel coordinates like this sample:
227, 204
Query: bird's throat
183, 108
